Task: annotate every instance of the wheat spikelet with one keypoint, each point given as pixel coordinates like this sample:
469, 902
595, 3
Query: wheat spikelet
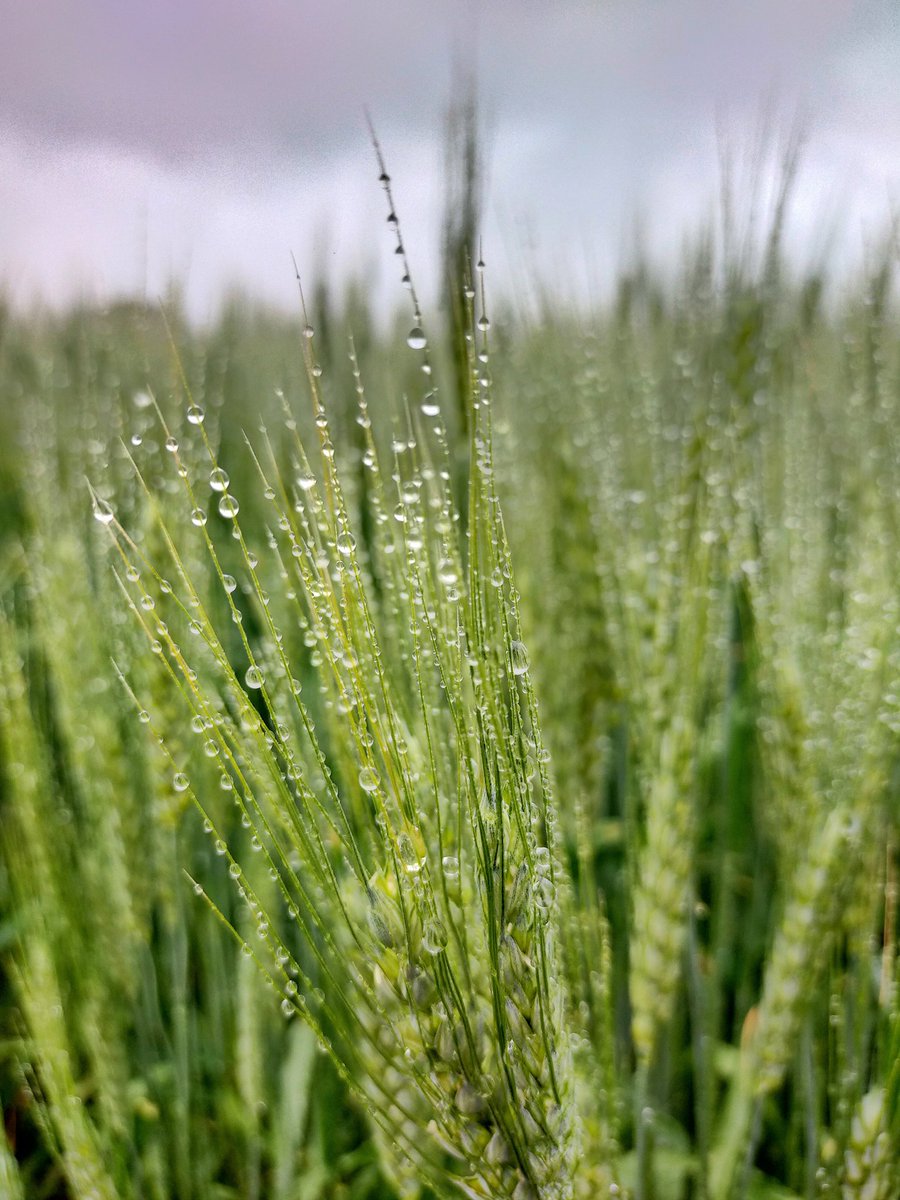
497, 1104
800, 946
869, 1172
662, 887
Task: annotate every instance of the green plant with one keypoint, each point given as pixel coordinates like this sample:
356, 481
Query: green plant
644, 944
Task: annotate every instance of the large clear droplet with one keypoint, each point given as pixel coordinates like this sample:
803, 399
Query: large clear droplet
228, 506
218, 479
447, 573
450, 863
416, 339
434, 936
368, 780
519, 656
103, 512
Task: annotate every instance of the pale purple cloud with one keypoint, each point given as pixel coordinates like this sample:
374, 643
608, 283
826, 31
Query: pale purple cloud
209, 137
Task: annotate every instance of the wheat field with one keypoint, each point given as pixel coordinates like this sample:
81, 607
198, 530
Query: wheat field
454, 754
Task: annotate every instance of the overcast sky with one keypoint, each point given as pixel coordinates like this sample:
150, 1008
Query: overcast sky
207, 139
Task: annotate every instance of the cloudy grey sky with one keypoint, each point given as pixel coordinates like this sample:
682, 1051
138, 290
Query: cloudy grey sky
207, 139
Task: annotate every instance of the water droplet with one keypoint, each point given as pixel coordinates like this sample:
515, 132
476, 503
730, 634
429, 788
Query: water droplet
144, 717
253, 678
287, 1008
306, 481
430, 406
171, 444
228, 506
180, 781
450, 863
346, 543
198, 518
519, 656
416, 339
410, 859
368, 780
229, 583
447, 573
195, 414
142, 399
434, 936
103, 512
542, 861
218, 479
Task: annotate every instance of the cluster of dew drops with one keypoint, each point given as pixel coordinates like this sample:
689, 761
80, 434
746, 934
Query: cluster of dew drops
228, 506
